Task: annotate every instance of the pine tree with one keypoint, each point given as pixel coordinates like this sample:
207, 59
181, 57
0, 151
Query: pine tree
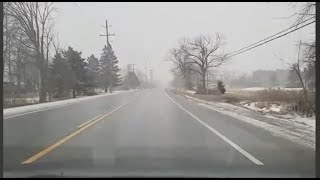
78, 67
131, 80
109, 70
60, 77
93, 70
221, 87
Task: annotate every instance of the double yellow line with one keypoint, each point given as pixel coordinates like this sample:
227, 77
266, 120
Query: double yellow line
81, 128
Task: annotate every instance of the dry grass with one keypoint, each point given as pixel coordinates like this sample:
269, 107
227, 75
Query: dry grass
292, 100
275, 96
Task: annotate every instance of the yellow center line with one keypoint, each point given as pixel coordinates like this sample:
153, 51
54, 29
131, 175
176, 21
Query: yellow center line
81, 128
87, 122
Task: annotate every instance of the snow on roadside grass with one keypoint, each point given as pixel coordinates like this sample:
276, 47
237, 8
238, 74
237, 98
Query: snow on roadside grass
309, 121
275, 108
299, 130
253, 89
264, 88
8, 112
266, 107
190, 92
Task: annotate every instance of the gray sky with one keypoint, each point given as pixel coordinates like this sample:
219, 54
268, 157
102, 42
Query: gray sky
146, 31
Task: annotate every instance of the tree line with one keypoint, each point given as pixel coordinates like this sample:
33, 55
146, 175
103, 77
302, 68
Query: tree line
29, 42
69, 72
194, 57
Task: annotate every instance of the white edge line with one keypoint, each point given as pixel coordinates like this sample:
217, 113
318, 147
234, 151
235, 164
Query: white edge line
276, 131
54, 107
37, 111
234, 145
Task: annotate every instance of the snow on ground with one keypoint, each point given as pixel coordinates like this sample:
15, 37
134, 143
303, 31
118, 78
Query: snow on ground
264, 88
298, 129
9, 112
190, 91
272, 107
305, 121
292, 89
275, 108
253, 89
310, 121
252, 107
99, 90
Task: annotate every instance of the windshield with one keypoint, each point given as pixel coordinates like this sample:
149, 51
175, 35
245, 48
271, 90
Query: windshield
97, 89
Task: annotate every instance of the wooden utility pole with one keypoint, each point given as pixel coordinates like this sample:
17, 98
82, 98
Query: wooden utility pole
108, 44
107, 33
151, 77
129, 67
207, 82
145, 70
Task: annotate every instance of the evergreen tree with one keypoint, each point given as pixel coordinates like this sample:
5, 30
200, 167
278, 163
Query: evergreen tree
221, 87
78, 67
109, 71
60, 77
93, 71
131, 80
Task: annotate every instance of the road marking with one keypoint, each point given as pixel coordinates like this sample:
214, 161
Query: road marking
60, 142
36, 111
234, 145
87, 122
54, 107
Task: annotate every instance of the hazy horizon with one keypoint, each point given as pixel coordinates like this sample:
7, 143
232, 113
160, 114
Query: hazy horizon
144, 32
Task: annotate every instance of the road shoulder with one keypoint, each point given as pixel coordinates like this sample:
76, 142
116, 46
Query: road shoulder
288, 129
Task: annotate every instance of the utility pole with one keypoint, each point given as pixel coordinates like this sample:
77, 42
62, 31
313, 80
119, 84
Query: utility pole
207, 82
108, 44
151, 77
129, 67
145, 70
107, 33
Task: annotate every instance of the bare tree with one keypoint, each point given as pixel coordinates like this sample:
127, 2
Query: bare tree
306, 10
179, 60
34, 18
9, 31
297, 67
182, 66
203, 52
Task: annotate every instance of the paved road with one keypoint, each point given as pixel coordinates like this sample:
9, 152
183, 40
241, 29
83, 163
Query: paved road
150, 132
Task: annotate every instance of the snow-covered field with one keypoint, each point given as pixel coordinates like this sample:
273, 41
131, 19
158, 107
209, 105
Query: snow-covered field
272, 107
190, 92
263, 88
15, 111
296, 128
253, 89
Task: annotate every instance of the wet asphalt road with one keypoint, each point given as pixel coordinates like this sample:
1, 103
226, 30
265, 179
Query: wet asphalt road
153, 132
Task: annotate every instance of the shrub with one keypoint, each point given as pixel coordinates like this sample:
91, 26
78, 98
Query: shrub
221, 87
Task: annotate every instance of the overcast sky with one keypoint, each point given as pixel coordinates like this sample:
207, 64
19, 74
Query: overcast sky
146, 31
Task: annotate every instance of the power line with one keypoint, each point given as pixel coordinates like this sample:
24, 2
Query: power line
232, 54
273, 35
